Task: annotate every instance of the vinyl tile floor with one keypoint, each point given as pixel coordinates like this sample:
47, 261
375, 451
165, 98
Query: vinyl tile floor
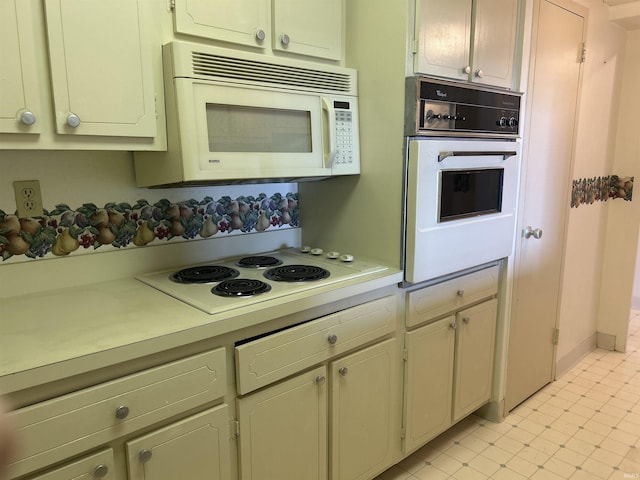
583, 426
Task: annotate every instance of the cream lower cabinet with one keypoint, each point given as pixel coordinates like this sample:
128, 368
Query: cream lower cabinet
197, 447
449, 371
335, 419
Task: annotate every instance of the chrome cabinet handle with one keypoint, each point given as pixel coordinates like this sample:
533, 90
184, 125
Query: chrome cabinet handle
343, 371
73, 120
332, 339
145, 455
285, 40
532, 232
320, 379
27, 117
100, 471
122, 412
260, 35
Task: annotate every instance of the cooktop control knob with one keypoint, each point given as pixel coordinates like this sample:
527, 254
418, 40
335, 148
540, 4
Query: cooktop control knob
513, 122
346, 258
305, 249
316, 251
502, 122
333, 255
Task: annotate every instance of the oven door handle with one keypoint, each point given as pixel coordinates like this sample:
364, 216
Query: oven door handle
504, 155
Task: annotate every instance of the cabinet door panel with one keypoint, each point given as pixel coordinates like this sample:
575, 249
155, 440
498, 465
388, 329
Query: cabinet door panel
443, 33
197, 447
101, 74
18, 78
494, 41
312, 28
429, 381
363, 406
474, 357
283, 430
84, 469
233, 21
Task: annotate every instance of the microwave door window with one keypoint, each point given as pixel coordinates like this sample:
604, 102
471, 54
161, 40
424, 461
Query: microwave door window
238, 128
469, 193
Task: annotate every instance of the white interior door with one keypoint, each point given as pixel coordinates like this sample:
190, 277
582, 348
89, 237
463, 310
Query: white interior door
554, 80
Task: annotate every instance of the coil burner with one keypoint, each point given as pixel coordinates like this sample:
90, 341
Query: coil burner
204, 274
240, 287
258, 261
296, 273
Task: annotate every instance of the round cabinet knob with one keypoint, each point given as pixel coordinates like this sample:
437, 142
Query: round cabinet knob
460, 293
100, 471
73, 120
285, 40
343, 371
260, 35
479, 74
467, 69
452, 326
466, 320
122, 412
145, 455
332, 339
27, 117
320, 379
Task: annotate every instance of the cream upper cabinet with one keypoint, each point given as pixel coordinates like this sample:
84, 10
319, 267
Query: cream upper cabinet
303, 27
241, 22
470, 40
20, 106
101, 76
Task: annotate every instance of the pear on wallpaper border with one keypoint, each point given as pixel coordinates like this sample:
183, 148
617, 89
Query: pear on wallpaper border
209, 227
10, 225
143, 235
263, 222
16, 245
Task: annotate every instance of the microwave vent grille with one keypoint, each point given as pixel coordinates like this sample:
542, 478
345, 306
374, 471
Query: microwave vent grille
270, 74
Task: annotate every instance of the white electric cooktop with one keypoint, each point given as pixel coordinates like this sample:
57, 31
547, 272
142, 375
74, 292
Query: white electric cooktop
258, 278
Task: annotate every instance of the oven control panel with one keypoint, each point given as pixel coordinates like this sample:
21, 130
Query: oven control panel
449, 108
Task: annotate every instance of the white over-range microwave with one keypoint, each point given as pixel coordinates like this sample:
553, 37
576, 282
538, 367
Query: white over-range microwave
235, 117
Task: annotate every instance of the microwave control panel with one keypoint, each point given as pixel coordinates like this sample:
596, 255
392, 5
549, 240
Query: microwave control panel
347, 146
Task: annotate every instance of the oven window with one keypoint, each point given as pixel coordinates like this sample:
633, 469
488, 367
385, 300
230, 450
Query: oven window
235, 128
468, 193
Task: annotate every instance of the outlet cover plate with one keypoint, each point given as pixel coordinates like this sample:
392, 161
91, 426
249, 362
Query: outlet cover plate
28, 198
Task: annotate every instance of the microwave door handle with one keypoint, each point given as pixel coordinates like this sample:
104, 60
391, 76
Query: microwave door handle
504, 155
330, 155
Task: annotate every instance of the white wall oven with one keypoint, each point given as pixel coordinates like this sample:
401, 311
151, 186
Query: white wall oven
462, 166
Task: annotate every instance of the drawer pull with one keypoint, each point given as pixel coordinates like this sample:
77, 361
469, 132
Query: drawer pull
332, 339
122, 412
343, 371
145, 455
320, 379
100, 471
466, 320
460, 293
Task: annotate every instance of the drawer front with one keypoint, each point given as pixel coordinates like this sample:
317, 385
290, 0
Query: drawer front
271, 358
446, 297
59, 428
99, 465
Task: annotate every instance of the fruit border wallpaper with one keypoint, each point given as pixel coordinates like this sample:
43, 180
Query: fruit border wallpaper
601, 189
65, 230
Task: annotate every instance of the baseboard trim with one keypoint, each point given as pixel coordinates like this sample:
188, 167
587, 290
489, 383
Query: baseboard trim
606, 341
568, 361
492, 411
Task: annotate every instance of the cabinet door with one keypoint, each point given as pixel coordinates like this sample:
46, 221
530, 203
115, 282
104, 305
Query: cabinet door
197, 447
19, 87
428, 381
443, 35
494, 42
243, 22
309, 27
283, 430
100, 68
363, 410
99, 465
475, 346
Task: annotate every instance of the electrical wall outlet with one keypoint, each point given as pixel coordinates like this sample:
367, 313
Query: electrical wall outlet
28, 198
